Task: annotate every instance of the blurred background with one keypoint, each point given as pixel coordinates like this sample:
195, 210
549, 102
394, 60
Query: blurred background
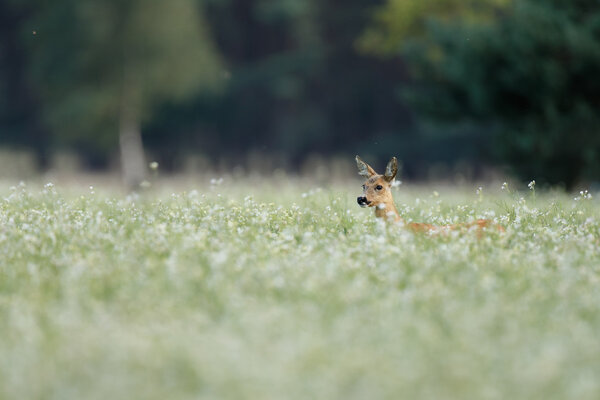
457, 89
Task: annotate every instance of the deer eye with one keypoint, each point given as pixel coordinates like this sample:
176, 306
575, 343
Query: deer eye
379, 187
363, 186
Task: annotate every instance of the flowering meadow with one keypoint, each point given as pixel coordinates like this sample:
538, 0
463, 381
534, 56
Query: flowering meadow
291, 291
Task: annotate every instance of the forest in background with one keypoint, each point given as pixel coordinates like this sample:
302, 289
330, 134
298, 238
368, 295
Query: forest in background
477, 83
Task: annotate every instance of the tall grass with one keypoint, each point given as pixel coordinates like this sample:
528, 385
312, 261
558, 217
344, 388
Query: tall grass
284, 292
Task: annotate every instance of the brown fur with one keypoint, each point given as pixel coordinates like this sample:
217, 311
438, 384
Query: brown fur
377, 193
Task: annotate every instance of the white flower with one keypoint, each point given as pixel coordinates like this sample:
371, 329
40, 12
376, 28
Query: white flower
531, 185
583, 195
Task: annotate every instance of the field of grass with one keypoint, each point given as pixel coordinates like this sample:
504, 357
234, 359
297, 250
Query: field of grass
285, 291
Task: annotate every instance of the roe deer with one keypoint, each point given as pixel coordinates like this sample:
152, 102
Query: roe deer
377, 193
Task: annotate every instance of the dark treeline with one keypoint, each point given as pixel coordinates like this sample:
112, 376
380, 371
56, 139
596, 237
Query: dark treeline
448, 82
294, 84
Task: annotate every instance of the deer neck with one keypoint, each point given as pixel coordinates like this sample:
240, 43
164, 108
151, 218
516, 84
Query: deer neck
387, 210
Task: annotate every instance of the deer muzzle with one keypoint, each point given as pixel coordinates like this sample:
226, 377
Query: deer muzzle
362, 201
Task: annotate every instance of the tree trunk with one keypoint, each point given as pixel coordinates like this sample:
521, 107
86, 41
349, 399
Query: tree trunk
133, 164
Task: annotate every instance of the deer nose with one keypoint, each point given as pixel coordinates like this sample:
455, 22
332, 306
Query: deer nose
362, 201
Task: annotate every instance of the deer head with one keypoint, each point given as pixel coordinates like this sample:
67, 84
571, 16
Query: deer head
377, 188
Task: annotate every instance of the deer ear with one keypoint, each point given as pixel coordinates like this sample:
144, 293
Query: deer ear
391, 170
364, 169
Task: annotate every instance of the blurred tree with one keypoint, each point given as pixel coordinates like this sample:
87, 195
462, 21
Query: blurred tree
529, 73
100, 67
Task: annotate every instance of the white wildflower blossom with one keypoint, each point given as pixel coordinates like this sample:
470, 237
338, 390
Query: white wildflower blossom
216, 181
583, 195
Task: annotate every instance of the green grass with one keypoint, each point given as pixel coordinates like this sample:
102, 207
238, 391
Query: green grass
284, 292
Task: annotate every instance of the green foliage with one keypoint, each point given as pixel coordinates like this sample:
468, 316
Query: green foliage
295, 83
529, 76
218, 294
400, 20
